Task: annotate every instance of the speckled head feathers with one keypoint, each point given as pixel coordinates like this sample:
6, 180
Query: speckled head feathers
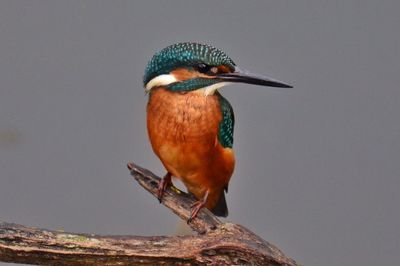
185, 55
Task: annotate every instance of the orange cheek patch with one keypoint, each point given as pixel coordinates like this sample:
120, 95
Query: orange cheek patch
224, 69
185, 74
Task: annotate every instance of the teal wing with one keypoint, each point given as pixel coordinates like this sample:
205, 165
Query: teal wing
226, 126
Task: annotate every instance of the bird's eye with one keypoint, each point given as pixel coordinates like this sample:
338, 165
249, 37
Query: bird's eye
203, 68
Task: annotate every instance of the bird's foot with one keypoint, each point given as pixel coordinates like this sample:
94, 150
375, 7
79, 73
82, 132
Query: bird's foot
162, 186
196, 207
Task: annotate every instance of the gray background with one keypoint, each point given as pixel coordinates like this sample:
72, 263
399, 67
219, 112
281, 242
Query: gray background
317, 166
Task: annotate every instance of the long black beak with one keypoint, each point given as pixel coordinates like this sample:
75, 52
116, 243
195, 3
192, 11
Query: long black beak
244, 76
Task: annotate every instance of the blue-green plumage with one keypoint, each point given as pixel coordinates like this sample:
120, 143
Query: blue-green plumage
226, 126
191, 84
187, 55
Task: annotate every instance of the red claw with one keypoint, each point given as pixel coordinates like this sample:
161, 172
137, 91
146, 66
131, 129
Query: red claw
162, 186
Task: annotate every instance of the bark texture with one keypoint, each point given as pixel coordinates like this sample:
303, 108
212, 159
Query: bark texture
215, 244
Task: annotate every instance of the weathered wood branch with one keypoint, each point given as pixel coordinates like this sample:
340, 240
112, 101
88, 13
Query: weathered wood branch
179, 202
217, 243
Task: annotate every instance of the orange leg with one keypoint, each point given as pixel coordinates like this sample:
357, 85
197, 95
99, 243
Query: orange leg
196, 207
162, 186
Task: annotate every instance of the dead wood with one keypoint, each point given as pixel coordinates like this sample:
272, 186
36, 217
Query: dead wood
215, 244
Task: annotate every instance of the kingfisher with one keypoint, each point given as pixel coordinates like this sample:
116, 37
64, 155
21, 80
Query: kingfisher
190, 124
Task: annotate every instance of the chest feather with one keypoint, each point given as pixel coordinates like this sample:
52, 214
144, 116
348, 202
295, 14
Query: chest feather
189, 117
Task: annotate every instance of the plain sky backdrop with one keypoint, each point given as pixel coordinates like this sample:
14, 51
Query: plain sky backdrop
318, 166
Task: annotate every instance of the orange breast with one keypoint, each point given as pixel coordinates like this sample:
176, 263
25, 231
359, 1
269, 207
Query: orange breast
183, 130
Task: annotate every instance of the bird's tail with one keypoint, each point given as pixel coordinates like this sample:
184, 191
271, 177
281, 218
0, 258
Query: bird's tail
221, 209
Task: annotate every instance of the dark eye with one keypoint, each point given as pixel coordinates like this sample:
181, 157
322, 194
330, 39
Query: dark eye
203, 68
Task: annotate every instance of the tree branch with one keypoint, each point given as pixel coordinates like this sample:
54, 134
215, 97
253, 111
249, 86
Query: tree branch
217, 243
179, 202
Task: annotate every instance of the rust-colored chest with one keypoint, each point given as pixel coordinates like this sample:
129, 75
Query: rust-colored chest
183, 130
183, 118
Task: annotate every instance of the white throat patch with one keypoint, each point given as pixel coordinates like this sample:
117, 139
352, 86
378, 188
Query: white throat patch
210, 90
161, 80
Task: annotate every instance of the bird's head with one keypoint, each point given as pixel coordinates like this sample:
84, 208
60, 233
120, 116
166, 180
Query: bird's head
193, 66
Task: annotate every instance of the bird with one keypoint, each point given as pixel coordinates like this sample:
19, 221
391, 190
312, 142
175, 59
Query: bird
190, 124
